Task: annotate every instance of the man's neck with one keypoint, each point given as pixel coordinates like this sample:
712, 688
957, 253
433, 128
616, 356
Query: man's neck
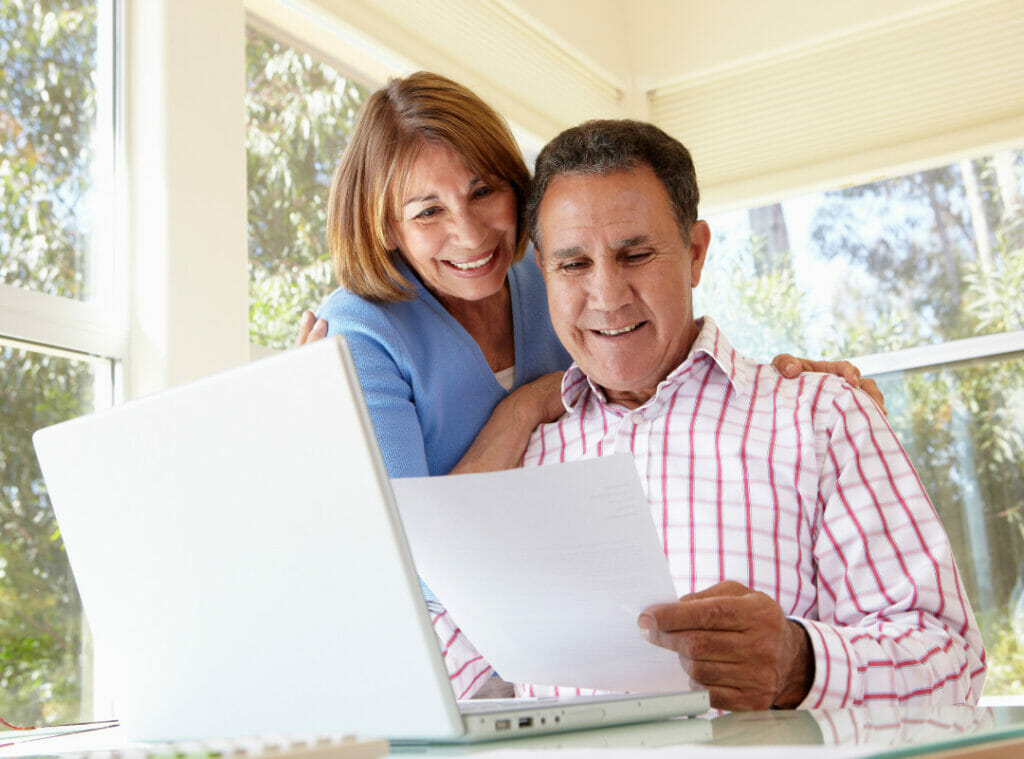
637, 397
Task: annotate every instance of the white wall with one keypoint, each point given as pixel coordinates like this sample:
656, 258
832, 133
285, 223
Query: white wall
185, 145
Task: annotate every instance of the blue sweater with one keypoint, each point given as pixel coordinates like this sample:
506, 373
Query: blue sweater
427, 384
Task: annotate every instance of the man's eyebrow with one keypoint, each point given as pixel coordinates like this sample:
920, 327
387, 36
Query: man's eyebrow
631, 242
563, 253
575, 250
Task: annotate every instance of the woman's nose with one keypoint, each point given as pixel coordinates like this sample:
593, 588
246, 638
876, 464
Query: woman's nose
470, 230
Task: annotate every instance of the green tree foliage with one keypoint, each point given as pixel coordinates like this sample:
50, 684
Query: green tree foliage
47, 109
300, 113
40, 614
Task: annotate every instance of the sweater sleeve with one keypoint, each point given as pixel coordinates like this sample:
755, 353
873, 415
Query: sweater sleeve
893, 623
389, 400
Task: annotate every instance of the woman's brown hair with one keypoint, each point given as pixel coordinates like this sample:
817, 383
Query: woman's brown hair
393, 126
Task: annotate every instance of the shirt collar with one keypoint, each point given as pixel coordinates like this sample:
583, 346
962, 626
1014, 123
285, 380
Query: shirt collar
711, 345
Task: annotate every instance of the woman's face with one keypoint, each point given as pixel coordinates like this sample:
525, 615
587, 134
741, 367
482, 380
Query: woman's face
456, 230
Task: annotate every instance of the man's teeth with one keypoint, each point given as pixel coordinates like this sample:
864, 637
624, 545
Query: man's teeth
613, 332
472, 264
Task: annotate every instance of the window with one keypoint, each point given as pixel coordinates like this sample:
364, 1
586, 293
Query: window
300, 113
918, 279
59, 337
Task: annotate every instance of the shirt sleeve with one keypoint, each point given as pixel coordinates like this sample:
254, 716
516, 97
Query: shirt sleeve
467, 669
893, 621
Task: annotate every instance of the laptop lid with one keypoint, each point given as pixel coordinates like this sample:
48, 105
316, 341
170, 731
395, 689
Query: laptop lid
239, 560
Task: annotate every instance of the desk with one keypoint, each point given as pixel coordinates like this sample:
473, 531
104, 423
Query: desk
878, 731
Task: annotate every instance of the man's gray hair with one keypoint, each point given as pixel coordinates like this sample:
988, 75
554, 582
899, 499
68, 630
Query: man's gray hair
604, 146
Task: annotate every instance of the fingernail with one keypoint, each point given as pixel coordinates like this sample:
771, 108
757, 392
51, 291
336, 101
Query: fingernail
646, 625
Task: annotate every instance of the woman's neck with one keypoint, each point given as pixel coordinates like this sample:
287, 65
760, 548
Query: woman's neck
489, 323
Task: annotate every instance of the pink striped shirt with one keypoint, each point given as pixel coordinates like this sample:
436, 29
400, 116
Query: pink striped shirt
796, 488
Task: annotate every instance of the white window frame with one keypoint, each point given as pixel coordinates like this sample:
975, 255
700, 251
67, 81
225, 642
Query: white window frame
95, 327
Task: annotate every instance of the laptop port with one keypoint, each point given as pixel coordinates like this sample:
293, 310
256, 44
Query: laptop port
502, 724
526, 722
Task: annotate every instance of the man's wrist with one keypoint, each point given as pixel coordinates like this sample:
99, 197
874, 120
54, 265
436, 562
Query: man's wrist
800, 676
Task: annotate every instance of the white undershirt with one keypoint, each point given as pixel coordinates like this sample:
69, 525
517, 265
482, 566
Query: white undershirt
506, 377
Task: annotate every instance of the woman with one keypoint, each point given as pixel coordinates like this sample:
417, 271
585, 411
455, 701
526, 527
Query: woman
446, 319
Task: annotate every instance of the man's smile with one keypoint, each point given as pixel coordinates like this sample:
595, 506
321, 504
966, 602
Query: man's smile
620, 330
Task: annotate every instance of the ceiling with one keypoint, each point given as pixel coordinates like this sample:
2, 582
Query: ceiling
771, 96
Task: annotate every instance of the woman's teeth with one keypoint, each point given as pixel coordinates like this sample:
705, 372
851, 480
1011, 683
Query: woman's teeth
472, 264
613, 332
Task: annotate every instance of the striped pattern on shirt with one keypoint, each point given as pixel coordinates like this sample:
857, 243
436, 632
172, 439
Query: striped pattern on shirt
796, 488
799, 489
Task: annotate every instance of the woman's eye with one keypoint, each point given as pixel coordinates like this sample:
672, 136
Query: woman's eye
427, 213
482, 192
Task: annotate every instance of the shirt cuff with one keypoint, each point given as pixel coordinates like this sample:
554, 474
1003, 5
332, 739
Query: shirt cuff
834, 670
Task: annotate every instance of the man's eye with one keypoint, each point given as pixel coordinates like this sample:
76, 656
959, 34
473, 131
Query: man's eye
636, 258
573, 265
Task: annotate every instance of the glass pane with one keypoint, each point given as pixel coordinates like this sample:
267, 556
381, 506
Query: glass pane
43, 662
914, 260
963, 427
47, 117
300, 113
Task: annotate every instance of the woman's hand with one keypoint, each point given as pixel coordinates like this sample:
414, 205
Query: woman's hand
502, 441
791, 367
311, 329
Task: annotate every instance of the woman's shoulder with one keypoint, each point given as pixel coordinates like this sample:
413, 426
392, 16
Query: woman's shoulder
398, 323
527, 281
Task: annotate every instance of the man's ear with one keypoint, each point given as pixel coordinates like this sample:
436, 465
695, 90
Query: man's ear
700, 239
536, 257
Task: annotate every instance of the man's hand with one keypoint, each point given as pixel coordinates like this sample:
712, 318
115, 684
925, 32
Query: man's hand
737, 643
311, 329
791, 367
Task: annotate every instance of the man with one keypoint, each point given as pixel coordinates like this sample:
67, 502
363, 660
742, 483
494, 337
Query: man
813, 569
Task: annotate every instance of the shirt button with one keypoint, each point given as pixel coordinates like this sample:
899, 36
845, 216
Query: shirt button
637, 418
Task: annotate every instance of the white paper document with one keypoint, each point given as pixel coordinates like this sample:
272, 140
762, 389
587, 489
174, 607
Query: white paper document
546, 570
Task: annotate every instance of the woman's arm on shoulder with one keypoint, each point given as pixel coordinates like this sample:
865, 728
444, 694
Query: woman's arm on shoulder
503, 439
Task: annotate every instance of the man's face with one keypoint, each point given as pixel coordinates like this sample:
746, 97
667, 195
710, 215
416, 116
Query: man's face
619, 277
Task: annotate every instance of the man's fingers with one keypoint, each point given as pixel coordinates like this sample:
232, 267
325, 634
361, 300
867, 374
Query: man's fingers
723, 646
698, 614
724, 588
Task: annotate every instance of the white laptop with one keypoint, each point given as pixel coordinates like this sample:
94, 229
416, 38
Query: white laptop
244, 571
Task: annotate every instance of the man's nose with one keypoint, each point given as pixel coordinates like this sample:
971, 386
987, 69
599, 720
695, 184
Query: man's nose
609, 289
